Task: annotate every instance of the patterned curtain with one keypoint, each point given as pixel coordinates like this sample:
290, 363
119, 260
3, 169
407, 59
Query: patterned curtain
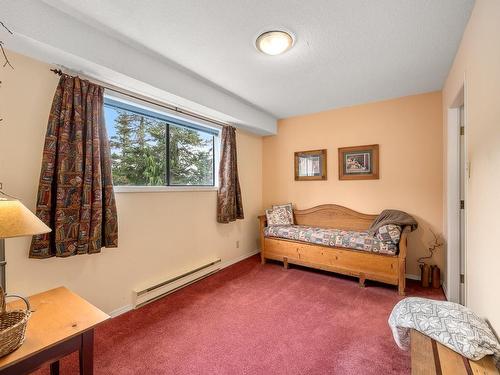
75, 193
229, 206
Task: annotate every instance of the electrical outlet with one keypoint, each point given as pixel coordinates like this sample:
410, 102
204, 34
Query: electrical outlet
237, 244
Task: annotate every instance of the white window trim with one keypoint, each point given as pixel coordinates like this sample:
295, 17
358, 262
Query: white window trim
163, 189
159, 109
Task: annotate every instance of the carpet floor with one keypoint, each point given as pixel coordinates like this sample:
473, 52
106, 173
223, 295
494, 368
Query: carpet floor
254, 319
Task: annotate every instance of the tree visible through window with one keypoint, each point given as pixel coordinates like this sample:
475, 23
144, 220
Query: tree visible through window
152, 149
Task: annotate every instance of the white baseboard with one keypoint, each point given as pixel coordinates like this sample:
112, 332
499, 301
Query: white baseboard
224, 264
230, 262
418, 278
121, 310
412, 277
445, 290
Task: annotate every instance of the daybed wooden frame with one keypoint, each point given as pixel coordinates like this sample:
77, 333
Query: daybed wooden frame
389, 269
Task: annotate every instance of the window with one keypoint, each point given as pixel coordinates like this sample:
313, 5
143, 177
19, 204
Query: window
152, 148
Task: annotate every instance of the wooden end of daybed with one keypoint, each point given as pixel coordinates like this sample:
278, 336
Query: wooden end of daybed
389, 269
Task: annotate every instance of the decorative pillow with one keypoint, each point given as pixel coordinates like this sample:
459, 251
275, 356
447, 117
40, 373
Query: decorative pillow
289, 209
389, 233
449, 323
278, 216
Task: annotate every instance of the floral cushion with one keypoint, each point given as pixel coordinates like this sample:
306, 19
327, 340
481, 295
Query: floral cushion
278, 216
449, 323
332, 237
288, 207
389, 233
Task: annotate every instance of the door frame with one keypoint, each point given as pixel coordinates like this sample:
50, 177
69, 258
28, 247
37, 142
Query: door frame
453, 197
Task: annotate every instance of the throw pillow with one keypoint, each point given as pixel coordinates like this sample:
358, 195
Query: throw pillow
389, 233
449, 323
288, 207
278, 216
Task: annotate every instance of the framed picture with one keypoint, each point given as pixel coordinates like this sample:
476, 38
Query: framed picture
359, 163
310, 165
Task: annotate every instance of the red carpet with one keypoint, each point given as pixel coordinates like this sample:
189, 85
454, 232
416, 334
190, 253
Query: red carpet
254, 319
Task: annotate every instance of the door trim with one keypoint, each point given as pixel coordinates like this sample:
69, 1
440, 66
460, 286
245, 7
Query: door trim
452, 206
453, 197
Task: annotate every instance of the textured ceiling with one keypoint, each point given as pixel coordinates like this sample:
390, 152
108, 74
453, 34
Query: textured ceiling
347, 51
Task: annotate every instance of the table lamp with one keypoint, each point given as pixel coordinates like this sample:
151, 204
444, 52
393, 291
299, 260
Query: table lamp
15, 221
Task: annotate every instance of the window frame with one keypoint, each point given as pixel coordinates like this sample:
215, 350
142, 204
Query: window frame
170, 117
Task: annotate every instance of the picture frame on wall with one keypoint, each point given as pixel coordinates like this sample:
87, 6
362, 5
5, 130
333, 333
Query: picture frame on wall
359, 163
310, 165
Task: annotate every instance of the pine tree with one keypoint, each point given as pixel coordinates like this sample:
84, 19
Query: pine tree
191, 157
139, 153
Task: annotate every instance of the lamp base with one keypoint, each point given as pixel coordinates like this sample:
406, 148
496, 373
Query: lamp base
3, 263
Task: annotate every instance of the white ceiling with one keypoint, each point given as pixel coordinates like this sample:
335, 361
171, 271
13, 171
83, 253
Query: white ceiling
347, 51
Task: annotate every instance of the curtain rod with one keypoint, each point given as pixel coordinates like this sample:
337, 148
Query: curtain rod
118, 90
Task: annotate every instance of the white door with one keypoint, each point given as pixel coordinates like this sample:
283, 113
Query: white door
463, 177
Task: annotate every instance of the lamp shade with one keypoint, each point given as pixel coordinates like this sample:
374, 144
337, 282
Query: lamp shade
16, 220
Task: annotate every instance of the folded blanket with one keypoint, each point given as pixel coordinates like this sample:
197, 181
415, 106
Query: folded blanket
449, 323
395, 217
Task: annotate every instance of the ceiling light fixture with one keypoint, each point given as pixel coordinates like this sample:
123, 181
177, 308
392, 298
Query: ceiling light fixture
274, 42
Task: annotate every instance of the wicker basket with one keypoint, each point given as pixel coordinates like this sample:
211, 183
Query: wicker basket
12, 325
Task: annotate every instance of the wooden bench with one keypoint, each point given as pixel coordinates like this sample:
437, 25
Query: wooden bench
429, 357
389, 269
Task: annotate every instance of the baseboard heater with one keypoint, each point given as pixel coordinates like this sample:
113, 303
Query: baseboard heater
161, 289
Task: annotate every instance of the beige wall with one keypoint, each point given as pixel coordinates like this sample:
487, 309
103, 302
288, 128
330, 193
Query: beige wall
161, 234
478, 60
409, 131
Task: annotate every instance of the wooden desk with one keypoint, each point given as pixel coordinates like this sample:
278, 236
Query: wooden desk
429, 357
61, 323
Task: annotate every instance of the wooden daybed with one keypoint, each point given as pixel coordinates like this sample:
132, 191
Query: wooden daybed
389, 269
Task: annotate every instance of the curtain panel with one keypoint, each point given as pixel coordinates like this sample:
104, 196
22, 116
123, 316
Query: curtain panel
75, 194
229, 203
